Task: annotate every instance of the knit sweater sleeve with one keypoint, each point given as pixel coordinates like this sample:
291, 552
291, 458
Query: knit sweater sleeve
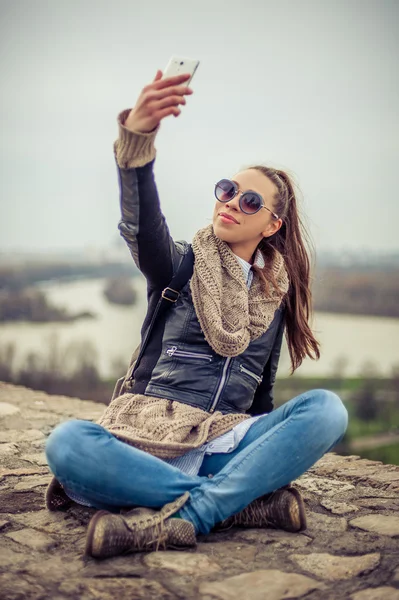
133, 149
143, 226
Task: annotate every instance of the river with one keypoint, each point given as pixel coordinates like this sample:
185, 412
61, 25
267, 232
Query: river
352, 341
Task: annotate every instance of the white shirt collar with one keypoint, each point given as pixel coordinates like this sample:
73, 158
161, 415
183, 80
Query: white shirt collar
258, 262
246, 266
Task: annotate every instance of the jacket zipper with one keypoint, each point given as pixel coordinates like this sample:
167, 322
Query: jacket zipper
256, 377
173, 351
221, 384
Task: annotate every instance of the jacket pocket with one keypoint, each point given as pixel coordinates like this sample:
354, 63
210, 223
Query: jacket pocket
250, 374
174, 352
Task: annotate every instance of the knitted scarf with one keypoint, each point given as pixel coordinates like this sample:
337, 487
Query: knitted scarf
229, 314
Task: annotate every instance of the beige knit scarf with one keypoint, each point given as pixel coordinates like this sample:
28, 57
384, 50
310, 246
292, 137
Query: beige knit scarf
230, 315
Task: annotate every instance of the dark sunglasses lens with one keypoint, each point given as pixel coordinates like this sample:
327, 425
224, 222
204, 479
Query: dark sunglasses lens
250, 203
225, 190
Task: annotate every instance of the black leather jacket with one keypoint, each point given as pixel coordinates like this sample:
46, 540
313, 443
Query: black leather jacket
178, 363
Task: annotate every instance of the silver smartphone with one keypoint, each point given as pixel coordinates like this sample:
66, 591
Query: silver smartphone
179, 66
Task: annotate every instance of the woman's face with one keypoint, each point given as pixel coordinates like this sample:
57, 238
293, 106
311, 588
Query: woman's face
242, 230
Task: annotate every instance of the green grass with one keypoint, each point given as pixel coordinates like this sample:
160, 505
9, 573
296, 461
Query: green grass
348, 384
388, 415
387, 454
388, 421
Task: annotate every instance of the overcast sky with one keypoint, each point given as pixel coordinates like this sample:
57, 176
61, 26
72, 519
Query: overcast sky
307, 86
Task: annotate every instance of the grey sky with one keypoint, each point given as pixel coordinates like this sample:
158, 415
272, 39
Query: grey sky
309, 86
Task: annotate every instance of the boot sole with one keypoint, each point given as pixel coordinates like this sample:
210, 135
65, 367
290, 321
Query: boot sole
301, 506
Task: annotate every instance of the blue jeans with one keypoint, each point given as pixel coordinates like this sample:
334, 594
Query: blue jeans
277, 449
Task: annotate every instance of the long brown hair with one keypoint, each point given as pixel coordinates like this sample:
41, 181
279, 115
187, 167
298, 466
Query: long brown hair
293, 242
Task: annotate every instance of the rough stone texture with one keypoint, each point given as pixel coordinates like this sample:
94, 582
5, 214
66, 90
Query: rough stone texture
103, 589
32, 538
380, 593
327, 566
182, 563
8, 409
382, 524
349, 549
258, 585
338, 508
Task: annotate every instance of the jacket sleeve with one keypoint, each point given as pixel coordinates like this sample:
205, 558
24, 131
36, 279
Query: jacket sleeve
263, 400
142, 223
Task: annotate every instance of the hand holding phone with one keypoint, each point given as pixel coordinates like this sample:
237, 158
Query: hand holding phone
179, 66
163, 96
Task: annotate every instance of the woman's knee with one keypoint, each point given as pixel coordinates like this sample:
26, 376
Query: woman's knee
64, 443
333, 411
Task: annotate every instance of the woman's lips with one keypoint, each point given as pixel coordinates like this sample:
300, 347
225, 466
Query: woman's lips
227, 219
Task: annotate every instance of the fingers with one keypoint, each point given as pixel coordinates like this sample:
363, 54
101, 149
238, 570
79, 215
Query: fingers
158, 100
170, 101
171, 110
180, 90
170, 81
158, 76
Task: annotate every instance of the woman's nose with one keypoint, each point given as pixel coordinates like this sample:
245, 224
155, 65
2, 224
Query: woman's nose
234, 204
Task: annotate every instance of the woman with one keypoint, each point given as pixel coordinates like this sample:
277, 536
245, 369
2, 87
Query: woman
193, 443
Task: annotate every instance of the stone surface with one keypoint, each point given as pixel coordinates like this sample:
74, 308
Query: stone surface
182, 563
9, 559
279, 539
32, 538
42, 552
380, 593
4, 472
31, 482
7, 409
382, 524
318, 521
8, 449
54, 523
14, 435
230, 553
327, 566
379, 503
38, 458
13, 588
259, 585
338, 508
323, 486
122, 587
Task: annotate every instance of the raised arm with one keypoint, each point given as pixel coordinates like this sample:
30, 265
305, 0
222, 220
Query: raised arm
143, 225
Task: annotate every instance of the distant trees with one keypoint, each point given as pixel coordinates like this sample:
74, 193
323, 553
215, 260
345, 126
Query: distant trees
371, 292
31, 304
338, 289
20, 276
367, 407
69, 371
119, 290
20, 300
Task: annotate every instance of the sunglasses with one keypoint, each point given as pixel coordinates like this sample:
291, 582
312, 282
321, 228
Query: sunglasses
250, 202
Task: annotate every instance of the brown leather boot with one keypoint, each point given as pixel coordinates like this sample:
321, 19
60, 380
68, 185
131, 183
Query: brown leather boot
140, 529
282, 509
55, 497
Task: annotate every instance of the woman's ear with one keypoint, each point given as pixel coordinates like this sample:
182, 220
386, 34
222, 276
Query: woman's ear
272, 228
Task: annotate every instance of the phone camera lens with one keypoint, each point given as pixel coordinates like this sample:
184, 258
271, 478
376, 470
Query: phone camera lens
182, 63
